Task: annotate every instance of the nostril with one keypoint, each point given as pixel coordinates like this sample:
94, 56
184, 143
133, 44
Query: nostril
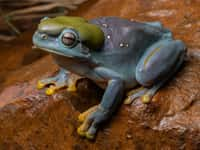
45, 18
44, 36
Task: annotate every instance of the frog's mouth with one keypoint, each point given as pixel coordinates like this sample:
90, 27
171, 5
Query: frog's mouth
51, 51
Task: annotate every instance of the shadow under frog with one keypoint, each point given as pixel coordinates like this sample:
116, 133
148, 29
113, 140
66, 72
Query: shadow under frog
115, 53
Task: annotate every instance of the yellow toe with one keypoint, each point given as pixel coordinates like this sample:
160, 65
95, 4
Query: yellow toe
50, 91
81, 118
89, 136
40, 85
80, 132
127, 100
146, 98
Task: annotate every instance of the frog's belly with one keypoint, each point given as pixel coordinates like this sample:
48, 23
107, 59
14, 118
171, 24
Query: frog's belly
128, 84
79, 67
128, 78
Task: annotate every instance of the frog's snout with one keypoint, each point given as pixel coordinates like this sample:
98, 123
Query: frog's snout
42, 36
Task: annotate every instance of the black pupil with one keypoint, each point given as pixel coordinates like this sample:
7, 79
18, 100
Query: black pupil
68, 39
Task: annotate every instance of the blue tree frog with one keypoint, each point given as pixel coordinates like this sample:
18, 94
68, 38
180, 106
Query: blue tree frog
115, 53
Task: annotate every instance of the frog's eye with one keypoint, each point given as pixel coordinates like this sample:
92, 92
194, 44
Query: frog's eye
69, 39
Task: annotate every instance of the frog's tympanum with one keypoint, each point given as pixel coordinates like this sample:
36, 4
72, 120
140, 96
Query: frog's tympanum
115, 53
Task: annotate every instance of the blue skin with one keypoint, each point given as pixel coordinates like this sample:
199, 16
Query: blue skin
147, 56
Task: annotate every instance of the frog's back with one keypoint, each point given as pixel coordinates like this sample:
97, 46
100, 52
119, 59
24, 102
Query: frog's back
125, 42
122, 33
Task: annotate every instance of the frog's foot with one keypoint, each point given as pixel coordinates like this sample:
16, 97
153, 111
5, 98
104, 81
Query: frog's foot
147, 97
135, 93
84, 115
54, 83
90, 121
55, 87
145, 94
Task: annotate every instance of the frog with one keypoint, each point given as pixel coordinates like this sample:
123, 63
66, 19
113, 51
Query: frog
128, 59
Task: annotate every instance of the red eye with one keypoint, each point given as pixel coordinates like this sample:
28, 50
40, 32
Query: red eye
68, 39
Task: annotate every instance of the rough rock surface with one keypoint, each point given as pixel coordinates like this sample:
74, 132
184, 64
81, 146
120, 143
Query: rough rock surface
31, 120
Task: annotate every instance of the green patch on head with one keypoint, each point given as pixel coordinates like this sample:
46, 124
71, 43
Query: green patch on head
90, 34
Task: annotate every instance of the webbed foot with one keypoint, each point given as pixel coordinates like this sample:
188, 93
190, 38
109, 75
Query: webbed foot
90, 121
145, 94
60, 81
133, 94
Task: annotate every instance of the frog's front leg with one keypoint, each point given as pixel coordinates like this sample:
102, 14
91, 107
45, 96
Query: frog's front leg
93, 117
160, 62
61, 80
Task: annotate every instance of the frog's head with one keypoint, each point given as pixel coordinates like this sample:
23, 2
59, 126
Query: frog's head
68, 36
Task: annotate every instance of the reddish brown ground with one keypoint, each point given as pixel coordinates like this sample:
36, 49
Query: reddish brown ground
31, 120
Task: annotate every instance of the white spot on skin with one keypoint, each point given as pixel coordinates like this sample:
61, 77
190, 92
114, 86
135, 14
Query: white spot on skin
121, 45
141, 69
108, 36
104, 25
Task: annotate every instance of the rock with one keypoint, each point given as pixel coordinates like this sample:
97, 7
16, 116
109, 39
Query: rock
31, 120
161, 13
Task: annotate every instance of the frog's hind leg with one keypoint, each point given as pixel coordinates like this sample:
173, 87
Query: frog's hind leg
160, 62
146, 98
